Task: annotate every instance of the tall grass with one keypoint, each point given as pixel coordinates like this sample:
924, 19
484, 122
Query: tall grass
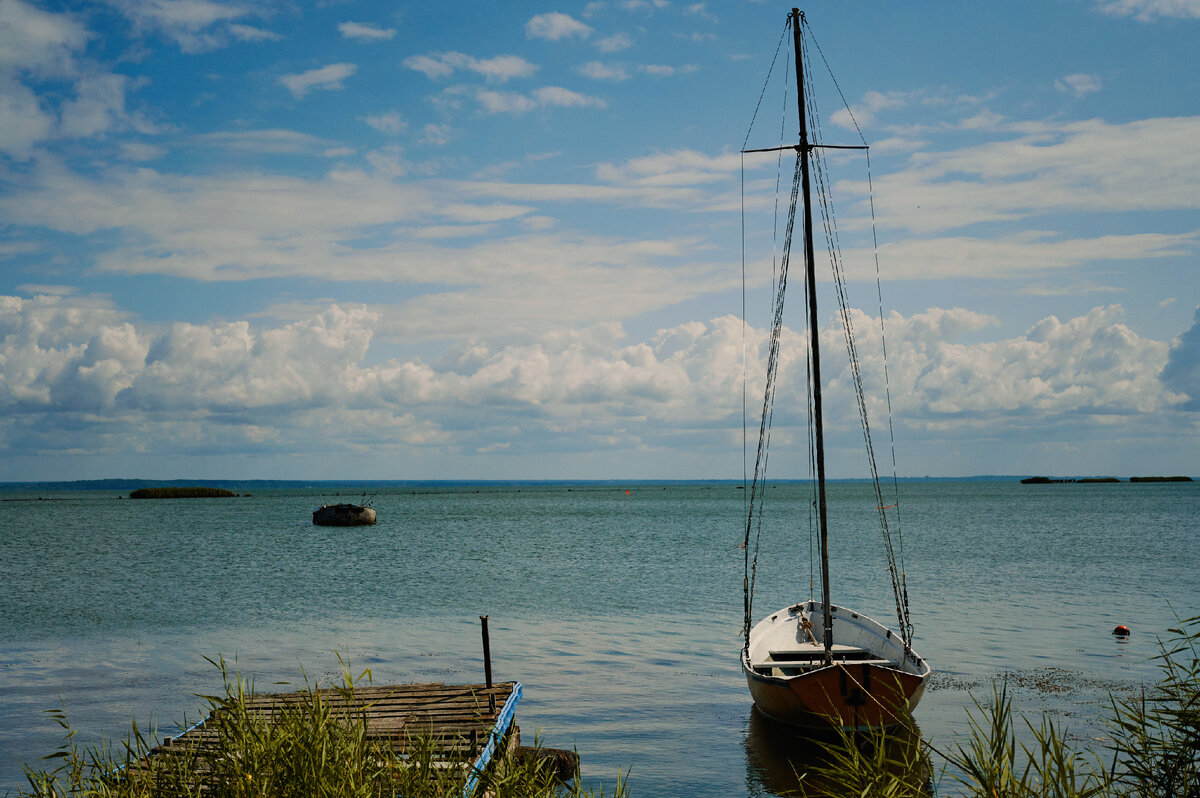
1154, 753
308, 747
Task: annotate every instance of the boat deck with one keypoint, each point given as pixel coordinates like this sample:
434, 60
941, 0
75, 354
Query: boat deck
465, 722
809, 654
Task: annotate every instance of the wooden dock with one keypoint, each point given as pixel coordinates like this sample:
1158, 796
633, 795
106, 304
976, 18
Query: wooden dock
465, 722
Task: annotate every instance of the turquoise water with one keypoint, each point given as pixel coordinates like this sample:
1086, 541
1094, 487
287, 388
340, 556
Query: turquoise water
619, 612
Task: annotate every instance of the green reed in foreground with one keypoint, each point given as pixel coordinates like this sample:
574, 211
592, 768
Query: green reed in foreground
1154, 753
308, 749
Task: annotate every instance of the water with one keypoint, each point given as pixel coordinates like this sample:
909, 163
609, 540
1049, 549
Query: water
619, 612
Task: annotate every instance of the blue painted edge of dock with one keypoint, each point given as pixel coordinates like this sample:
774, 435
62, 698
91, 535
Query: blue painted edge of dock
503, 722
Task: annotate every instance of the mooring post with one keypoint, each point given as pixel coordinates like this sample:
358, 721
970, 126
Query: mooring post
487, 663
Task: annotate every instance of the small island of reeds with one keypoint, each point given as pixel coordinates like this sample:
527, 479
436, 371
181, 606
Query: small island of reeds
182, 493
1160, 479
1049, 480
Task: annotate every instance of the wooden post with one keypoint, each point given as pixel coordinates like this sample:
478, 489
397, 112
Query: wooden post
487, 663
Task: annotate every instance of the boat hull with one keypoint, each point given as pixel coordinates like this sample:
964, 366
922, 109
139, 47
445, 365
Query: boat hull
872, 682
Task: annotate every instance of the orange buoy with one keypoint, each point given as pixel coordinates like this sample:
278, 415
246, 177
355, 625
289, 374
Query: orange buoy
1121, 631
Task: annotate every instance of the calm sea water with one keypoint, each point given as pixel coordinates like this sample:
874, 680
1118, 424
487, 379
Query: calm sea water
618, 607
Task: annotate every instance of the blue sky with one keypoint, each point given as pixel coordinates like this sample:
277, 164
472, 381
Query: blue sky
481, 240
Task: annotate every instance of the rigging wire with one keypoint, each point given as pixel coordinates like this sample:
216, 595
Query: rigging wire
887, 389
833, 244
748, 497
758, 486
753, 503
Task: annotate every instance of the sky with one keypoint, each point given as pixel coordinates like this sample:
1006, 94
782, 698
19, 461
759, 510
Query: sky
354, 239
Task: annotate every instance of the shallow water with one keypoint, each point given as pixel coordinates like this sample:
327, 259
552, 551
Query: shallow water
619, 612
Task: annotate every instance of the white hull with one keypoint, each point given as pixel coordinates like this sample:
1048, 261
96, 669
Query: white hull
872, 681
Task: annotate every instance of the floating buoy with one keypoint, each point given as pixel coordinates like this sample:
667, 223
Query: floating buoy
1121, 631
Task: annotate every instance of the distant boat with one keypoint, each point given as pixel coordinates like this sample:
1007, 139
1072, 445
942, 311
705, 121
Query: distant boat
343, 515
815, 664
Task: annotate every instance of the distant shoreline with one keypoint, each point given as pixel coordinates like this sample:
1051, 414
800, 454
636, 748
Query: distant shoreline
129, 484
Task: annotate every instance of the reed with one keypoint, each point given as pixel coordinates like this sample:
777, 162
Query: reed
1154, 753
182, 493
308, 749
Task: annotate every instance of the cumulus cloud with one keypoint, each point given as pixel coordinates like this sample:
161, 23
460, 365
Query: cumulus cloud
1182, 371
78, 363
326, 77
1092, 364
62, 352
555, 26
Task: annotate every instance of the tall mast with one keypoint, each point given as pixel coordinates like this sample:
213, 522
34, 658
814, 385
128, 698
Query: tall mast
809, 261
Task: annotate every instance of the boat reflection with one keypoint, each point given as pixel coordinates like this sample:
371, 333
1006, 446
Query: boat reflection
786, 761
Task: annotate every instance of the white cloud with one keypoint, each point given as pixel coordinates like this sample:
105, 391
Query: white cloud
390, 122
665, 71
545, 97
601, 71
24, 121
1089, 364
365, 33
40, 45
1150, 10
43, 43
555, 26
326, 77
1078, 84
499, 69
195, 25
266, 142
614, 43
866, 111
674, 168
248, 33
1182, 371
99, 105
1012, 256
1076, 166
434, 134
77, 365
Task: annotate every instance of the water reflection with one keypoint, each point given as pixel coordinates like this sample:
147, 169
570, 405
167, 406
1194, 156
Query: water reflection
785, 761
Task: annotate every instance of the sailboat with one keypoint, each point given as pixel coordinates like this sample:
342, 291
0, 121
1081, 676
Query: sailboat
815, 663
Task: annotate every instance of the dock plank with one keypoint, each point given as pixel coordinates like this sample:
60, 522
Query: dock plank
458, 719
